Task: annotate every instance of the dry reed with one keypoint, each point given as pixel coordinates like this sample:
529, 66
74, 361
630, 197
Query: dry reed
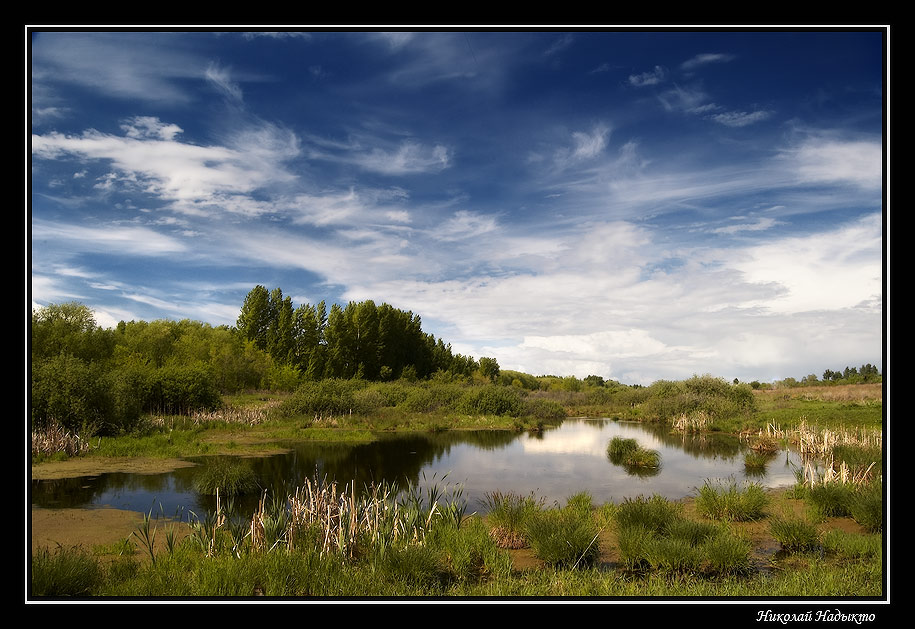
54, 438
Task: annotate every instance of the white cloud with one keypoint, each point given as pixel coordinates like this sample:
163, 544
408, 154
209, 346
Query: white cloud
705, 59
221, 80
838, 269
136, 66
761, 224
109, 239
194, 178
409, 158
464, 225
653, 77
822, 160
146, 127
740, 118
584, 146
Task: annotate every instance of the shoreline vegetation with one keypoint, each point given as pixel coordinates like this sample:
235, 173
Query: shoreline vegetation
148, 394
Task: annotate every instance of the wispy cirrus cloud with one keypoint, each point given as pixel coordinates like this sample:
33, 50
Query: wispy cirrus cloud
740, 118
652, 77
124, 65
705, 59
192, 178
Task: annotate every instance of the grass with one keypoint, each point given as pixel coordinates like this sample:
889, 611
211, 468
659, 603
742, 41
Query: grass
629, 454
661, 551
795, 534
508, 515
655, 536
228, 476
564, 537
66, 572
732, 502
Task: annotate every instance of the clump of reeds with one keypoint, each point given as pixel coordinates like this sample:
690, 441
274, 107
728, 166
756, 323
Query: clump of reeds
629, 454
229, 476
508, 515
692, 422
564, 537
732, 503
54, 439
755, 462
248, 415
653, 534
64, 573
795, 534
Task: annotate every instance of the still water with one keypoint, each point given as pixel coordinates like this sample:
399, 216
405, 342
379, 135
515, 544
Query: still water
553, 465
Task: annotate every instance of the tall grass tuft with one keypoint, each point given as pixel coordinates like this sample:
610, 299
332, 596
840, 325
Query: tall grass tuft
64, 573
795, 534
508, 515
564, 537
231, 477
732, 503
654, 535
632, 456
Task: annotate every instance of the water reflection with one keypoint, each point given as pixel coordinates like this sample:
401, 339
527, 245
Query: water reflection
554, 464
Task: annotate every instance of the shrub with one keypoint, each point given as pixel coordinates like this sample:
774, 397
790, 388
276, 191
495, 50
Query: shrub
492, 399
539, 408
177, 390
331, 396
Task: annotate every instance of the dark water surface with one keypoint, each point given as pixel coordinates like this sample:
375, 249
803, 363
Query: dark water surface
554, 465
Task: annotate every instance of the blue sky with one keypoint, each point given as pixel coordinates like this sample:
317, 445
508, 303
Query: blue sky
633, 204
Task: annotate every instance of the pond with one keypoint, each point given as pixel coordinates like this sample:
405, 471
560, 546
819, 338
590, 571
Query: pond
554, 465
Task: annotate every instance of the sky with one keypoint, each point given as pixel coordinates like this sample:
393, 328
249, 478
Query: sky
634, 204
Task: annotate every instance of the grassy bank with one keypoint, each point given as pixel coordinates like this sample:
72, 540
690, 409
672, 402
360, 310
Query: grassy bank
354, 411
324, 542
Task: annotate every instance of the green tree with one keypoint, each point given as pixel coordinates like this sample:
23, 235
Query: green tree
69, 328
254, 319
489, 368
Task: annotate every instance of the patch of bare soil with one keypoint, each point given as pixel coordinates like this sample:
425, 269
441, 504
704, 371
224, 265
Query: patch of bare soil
81, 527
91, 528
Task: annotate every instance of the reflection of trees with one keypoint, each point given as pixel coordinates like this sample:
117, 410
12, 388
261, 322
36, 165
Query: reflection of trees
703, 446
85, 490
64, 492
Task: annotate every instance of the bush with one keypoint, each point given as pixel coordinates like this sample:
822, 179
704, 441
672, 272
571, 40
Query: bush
492, 399
69, 392
546, 410
699, 394
331, 396
178, 390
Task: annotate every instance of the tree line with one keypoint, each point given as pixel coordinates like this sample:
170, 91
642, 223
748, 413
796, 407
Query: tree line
92, 379
358, 340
